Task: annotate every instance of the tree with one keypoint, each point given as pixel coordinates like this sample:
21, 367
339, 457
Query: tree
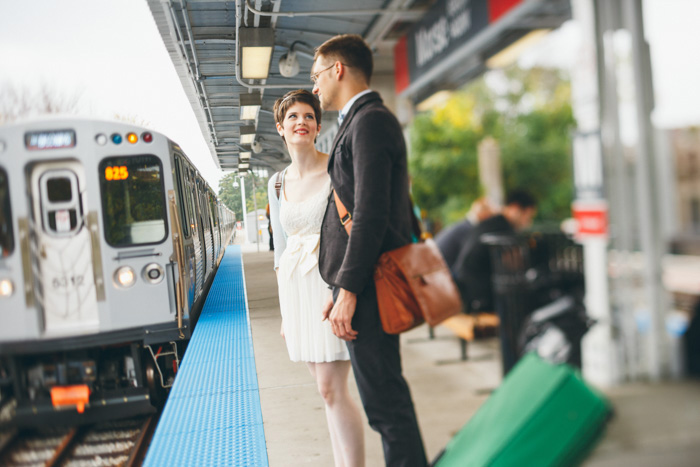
19, 103
528, 112
231, 196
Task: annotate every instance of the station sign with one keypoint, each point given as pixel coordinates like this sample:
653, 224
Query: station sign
591, 217
446, 26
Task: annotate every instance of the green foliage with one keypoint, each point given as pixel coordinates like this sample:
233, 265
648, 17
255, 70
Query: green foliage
528, 112
231, 196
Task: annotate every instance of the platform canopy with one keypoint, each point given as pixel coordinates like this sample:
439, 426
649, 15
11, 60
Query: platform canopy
235, 58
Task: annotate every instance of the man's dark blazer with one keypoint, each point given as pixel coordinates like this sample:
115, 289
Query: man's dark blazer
368, 170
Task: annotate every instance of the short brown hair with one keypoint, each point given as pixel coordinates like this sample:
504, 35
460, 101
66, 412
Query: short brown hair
350, 50
292, 97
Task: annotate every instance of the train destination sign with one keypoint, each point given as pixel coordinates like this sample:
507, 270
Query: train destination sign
120, 172
52, 139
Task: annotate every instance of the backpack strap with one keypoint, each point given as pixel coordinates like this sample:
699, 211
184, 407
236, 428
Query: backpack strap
278, 183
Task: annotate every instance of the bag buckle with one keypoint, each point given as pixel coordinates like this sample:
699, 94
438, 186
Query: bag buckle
345, 219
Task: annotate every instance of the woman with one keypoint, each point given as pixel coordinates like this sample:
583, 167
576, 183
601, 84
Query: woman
296, 212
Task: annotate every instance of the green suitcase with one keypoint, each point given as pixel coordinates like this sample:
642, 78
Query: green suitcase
541, 415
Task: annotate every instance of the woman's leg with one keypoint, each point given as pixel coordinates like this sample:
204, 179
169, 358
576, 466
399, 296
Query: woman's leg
343, 415
335, 443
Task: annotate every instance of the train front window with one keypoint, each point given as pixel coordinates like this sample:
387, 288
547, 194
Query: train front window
133, 200
7, 239
59, 189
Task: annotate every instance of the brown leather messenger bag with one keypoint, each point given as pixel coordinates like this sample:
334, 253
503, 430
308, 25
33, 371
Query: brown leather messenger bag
414, 284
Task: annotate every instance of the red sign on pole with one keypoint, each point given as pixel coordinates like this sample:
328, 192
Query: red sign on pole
592, 218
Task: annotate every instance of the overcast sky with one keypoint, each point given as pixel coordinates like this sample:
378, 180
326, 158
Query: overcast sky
110, 53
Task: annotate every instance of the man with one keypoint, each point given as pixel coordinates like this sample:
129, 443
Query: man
472, 269
451, 239
368, 170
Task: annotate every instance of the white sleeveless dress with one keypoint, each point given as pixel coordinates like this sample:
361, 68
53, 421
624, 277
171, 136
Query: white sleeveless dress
302, 292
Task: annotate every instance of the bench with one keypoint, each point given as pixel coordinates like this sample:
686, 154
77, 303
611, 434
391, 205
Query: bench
468, 327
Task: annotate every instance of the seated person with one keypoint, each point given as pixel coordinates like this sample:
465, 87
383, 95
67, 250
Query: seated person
451, 239
472, 268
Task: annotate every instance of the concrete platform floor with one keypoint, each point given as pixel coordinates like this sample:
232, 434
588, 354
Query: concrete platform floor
655, 424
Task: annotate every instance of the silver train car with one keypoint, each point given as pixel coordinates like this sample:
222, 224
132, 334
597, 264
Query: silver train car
109, 240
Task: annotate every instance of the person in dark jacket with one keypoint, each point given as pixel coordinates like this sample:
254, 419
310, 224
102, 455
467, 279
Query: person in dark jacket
472, 269
368, 170
451, 239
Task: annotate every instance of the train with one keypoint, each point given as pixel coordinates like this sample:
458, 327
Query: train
109, 240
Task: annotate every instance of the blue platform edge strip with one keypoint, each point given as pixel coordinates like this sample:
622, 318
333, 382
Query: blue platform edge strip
212, 416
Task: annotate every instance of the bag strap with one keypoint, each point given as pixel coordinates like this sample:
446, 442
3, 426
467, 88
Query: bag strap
278, 183
346, 217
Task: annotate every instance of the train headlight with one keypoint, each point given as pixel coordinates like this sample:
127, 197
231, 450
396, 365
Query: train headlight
6, 288
124, 277
153, 273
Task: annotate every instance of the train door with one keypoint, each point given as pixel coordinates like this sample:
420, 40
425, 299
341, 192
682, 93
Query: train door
62, 250
198, 236
188, 227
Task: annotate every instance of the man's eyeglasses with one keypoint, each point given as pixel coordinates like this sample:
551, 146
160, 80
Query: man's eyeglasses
314, 76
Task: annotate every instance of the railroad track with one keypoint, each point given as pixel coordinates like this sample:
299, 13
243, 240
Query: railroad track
111, 443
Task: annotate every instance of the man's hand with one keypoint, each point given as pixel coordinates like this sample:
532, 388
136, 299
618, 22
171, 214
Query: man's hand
341, 315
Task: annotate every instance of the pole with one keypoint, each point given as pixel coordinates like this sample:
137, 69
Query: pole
255, 206
245, 211
647, 195
600, 364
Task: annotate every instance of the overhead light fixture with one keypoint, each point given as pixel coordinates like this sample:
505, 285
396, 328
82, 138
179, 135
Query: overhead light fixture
250, 105
244, 156
247, 134
256, 51
511, 53
257, 146
243, 165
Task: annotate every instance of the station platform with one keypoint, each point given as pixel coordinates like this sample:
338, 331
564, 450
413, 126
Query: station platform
654, 424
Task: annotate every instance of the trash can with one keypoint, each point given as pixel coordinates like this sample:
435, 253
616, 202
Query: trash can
510, 261
530, 272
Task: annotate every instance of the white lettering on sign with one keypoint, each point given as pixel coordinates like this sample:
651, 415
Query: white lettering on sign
432, 40
455, 6
592, 224
460, 25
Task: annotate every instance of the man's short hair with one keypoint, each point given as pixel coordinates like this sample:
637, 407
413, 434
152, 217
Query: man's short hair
522, 198
350, 50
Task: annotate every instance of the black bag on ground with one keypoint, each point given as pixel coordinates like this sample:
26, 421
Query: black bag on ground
555, 331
